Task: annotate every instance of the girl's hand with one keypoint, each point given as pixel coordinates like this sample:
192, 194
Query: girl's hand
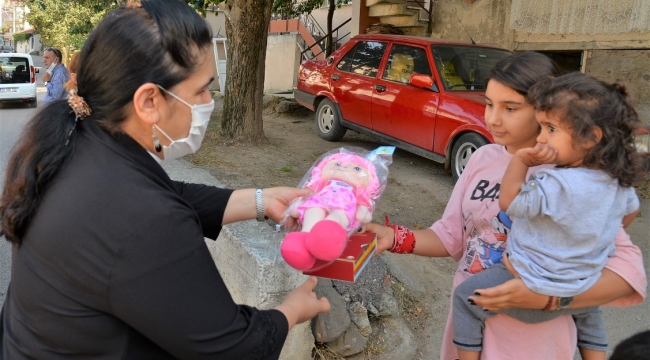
537, 155
385, 236
511, 294
277, 200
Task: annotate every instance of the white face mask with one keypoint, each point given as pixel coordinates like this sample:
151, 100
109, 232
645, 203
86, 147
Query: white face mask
189, 145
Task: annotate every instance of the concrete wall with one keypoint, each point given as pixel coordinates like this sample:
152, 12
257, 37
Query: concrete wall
217, 21
631, 66
489, 22
282, 62
609, 54
484, 21
282, 56
247, 257
22, 47
361, 18
340, 16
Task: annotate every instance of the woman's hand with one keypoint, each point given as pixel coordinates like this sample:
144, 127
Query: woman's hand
385, 236
511, 294
277, 200
302, 303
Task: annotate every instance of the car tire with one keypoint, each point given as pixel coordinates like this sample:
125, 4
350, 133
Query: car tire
328, 121
463, 148
33, 103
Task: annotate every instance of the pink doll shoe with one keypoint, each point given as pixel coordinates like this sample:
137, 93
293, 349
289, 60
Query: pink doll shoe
326, 240
295, 253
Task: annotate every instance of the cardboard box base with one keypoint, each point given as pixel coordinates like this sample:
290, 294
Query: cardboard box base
347, 267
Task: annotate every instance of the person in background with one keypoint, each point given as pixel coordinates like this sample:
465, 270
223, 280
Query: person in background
109, 257
56, 75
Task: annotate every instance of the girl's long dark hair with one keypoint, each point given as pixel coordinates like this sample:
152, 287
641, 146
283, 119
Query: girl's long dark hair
152, 43
522, 70
582, 103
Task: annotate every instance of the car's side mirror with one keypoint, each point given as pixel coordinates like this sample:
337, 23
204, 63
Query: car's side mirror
423, 81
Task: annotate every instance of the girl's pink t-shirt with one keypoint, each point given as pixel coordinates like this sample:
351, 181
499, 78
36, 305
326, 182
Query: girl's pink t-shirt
475, 235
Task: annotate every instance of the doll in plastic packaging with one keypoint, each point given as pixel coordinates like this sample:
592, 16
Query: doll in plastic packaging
346, 185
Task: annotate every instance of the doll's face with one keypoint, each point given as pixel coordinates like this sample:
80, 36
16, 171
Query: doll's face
350, 172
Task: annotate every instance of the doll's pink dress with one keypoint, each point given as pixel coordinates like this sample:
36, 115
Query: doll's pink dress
335, 195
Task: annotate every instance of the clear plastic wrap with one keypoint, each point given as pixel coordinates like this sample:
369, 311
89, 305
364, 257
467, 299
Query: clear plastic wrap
347, 183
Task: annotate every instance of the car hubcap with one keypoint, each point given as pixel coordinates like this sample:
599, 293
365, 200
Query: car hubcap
326, 119
464, 152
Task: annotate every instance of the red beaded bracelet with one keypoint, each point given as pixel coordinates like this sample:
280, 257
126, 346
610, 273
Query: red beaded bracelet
549, 304
404, 241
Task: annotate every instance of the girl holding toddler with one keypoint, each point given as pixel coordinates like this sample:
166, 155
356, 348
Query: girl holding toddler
473, 231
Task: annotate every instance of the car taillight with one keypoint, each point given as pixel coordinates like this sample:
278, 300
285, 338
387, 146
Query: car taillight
32, 74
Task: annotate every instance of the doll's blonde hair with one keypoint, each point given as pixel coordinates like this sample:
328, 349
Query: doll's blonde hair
365, 195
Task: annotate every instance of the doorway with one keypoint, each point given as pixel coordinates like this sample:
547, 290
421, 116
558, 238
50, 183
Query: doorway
567, 61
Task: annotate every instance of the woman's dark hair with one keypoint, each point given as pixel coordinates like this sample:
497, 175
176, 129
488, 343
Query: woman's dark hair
522, 70
156, 42
583, 103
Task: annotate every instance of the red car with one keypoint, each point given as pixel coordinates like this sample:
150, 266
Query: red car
420, 94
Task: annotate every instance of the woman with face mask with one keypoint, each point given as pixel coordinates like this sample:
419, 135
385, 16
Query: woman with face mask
108, 253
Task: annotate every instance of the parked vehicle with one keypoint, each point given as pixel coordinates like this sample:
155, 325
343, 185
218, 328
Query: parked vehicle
420, 94
6, 49
18, 78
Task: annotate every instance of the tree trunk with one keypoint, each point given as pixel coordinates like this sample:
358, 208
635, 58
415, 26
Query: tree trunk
247, 23
330, 16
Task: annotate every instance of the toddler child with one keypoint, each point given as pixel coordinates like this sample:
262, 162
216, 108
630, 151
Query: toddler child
566, 217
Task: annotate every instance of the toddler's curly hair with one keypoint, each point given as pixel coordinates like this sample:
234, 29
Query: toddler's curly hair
581, 103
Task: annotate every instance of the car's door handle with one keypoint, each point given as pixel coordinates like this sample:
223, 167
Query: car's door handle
335, 77
380, 88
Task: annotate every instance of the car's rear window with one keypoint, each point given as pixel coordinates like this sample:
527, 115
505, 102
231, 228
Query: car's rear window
363, 59
14, 70
464, 68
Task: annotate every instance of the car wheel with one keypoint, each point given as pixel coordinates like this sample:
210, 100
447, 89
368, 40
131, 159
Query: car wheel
464, 147
33, 103
328, 121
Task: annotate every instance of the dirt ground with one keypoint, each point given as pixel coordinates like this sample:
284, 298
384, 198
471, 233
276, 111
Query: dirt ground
415, 196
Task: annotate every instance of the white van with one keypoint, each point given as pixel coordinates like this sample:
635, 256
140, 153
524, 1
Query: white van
17, 78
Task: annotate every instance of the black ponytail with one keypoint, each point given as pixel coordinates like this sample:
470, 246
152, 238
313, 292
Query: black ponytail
37, 156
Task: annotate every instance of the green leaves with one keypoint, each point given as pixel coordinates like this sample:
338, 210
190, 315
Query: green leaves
290, 9
21, 37
64, 23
